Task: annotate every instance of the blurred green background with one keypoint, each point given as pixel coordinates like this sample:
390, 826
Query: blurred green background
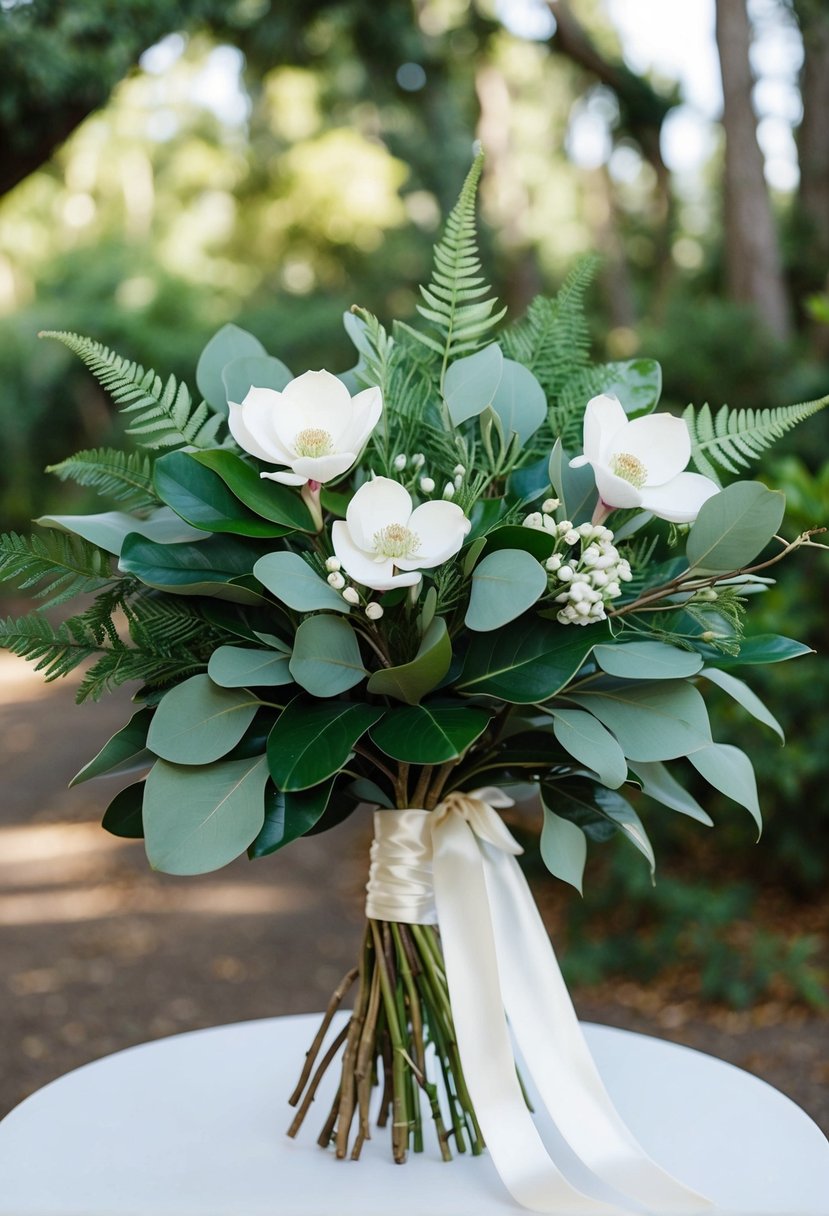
169, 166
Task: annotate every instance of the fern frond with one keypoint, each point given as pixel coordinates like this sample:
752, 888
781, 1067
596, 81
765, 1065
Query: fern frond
63, 564
164, 415
54, 651
124, 476
124, 664
165, 625
455, 300
733, 438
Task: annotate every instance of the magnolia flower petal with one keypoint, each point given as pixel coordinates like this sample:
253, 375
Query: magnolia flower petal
441, 528
315, 400
661, 442
251, 426
615, 491
680, 499
366, 408
375, 505
287, 478
603, 417
323, 468
362, 567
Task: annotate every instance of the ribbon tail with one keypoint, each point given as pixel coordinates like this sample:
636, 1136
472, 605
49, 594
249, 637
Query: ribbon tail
475, 989
554, 1048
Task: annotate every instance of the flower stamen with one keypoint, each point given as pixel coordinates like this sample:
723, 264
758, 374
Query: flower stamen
314, 442
395, 541
629, 468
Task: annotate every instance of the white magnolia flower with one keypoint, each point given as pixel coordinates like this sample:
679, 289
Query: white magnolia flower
640, 463
314, 426
382, 535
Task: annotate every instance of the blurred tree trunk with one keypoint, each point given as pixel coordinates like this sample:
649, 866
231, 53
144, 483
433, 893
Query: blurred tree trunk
813, 136
752, 250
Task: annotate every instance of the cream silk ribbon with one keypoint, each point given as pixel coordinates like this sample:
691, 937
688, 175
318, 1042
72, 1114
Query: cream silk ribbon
456, 866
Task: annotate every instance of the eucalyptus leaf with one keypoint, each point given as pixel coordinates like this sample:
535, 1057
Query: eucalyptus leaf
429, 734
504, 585
290, 578
519, 401
326, 658
227, 344
206, 568
253, 371
593, 807
584, 737
744, 696
733, 527
410, 682
196, 820
470, 383
202, 499
123, 816
660, 785
289, 816
563, 848
637, 383
197, 722
242, 667
730, 771
527, 484
647, 661
527, 661
760, 649
266, 498
312, 740
575, 488
125, 752
658, 721
109, 529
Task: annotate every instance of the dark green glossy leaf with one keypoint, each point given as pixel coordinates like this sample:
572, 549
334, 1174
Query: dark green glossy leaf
600, 812
312, 740
203, 500
125, 752
289, 816
575, 488
123, 816
426, 734
485, 515
207, 568
527, 661
266, 498
762, 648
515, 536
410, 682
529, 483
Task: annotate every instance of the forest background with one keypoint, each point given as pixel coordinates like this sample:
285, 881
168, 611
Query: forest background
170, 166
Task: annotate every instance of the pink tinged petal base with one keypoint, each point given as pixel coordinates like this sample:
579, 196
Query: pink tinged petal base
361, 566
661, 442
441, 528
376, 504
615, 491
603, 418
680, 499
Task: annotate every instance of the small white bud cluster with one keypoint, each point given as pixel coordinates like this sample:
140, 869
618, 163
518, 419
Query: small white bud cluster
584, 582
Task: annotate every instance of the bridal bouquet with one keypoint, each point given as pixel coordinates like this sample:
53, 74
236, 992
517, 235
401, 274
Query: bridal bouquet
475, 569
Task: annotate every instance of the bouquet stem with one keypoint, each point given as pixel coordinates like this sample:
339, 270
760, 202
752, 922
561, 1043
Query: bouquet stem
401, 1008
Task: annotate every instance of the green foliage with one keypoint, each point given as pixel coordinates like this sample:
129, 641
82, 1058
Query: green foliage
54, 650
63, 564
733, 438
164, 413
455, 302
125, 476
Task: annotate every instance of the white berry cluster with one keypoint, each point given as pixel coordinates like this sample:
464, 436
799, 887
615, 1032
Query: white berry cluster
418, 479
586, 579
350, 594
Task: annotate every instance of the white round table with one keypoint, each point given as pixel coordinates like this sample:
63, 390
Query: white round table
194, 1126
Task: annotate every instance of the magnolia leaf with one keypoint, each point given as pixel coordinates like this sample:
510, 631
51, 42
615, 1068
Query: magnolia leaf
429, 734
536, 541
527, 661
207, 568
312, 740
519, 401
504, 585
584, 737
744, 696
733, 527
729, 770
658, 784
290, 578
659, 721
227, 344
289, 816
647, 661
196, 820
242, 667
123, 817
125, 752
203, 500
266, 498
410, 682
197, 722
109, 529
326, 658
762, 648
563, 848
470, 383
637, 383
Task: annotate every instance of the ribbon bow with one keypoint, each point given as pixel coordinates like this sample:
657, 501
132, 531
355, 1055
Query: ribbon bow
500, 965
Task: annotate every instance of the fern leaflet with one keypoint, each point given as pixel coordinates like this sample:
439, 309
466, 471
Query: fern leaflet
164, 413
125, 476
733, 438
54, 651
65, 565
